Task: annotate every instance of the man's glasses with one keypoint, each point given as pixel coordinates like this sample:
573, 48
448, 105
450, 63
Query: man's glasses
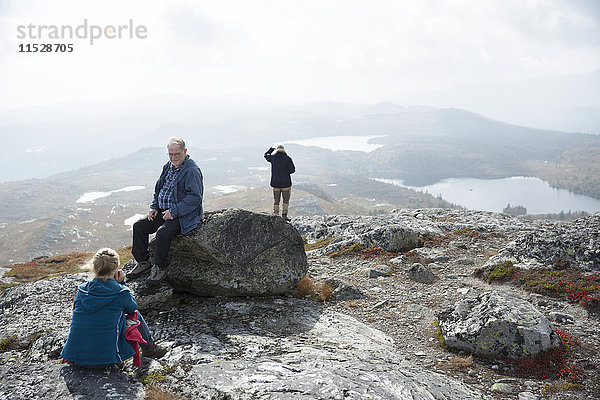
171, 155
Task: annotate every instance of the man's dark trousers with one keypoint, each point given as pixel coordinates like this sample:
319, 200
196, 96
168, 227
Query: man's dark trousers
165, 232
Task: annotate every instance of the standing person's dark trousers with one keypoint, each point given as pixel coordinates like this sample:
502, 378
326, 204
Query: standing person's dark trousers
165, 230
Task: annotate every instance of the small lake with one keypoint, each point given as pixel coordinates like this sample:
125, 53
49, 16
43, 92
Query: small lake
335, 143
534, 194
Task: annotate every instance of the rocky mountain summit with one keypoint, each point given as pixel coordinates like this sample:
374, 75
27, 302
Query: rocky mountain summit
379, 333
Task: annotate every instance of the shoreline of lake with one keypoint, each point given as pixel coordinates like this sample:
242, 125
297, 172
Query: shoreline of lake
536, 195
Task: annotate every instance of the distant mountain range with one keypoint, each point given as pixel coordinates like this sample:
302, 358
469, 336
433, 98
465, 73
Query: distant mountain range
419, 145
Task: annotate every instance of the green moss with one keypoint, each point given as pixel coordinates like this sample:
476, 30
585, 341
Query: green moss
501, 272
438, 332
7, 285
555, 387
464, 231
318, 244
355, 248
157, 376
7, 343
153, 377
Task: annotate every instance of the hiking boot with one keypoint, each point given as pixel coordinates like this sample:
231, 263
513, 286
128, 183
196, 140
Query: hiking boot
156, 275
140, 268
153, 351
284, 216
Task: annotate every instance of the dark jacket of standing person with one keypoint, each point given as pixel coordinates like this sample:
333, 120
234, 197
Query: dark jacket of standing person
281, 168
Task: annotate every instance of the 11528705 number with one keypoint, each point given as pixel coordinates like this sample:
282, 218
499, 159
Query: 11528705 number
45, 48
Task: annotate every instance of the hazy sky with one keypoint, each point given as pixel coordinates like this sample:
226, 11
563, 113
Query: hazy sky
295, 51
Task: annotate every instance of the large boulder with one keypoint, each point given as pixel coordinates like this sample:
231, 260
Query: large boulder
238, 253
495, 324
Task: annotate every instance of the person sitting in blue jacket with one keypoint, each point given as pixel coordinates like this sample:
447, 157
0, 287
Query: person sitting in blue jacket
176, 207
97, 334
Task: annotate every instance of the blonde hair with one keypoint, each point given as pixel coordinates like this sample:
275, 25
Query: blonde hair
176, 141
105, 262
280, 149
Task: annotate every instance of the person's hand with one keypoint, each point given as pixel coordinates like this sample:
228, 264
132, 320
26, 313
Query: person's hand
152, 214
270, 150
119, 275
167, 215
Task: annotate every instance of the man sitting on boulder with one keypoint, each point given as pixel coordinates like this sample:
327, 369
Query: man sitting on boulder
176, 207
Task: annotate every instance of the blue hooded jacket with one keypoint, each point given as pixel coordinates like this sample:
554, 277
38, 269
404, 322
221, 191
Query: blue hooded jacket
97, 335
187, 195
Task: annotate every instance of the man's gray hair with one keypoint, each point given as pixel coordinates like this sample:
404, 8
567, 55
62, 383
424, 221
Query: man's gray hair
176, 140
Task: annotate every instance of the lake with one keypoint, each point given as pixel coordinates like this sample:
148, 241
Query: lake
335, 143
534, 194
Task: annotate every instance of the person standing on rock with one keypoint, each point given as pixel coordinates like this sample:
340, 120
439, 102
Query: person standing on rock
176, 208
282, 167
97, 334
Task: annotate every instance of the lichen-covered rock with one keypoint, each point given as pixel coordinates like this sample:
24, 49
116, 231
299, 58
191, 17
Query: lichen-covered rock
574, 244
392, 232
494, 324
380, 270
343, 291
238, 253
403, 230
419, 273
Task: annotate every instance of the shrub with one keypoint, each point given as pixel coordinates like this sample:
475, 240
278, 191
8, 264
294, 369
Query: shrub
569, 284
307, 288
552, 363
458, 362
325, 292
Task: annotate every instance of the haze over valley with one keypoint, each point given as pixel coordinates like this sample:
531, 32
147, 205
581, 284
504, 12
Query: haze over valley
350, 158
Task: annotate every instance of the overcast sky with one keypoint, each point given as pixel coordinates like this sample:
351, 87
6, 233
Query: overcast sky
295, 51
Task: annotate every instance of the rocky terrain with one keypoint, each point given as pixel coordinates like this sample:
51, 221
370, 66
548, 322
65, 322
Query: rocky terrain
376, 336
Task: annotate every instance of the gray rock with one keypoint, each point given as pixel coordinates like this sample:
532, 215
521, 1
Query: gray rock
380, 270
238, 253
533, 385
159, 297
344, 291
433, 254
54, 381
575, 244
494, 324
419, 273
562, 317
219, 348
397, 260
502, 388
528, 396
434, 266
465, 261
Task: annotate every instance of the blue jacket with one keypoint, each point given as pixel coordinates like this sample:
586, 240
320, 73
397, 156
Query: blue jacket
281, 168
97, 335
187, 196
